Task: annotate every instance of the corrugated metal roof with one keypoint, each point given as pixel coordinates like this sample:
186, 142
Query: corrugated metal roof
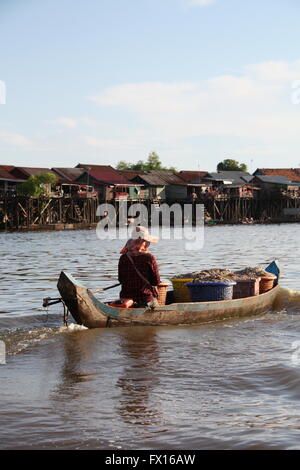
162, 178
130, 174
236, 177
276, 179
192, 176
92, 166
6, 176
108, 175
69, 174
29, 171
104, 174
170, 177
6, 167
289, 173
152, 180
34, 171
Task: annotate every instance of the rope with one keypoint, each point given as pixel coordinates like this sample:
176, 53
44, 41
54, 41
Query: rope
47, 312
47, 302
66, 313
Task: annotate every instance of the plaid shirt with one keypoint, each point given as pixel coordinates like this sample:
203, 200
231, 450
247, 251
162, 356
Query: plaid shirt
133, 286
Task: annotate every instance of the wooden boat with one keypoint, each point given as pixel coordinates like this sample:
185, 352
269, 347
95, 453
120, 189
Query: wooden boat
89, 311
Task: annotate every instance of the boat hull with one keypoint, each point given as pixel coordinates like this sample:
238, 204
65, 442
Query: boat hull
89, 311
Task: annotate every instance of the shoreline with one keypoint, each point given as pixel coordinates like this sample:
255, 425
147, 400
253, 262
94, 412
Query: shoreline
51, 228
93, 226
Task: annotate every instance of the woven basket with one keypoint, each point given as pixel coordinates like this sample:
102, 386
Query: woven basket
210, 291
181, 292
246, 288
266, 282
162, 293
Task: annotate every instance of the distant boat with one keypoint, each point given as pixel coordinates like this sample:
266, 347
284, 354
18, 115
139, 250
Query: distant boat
90, 312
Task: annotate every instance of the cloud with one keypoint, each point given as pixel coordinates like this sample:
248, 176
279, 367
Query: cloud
71, 123
119, 144
66, 122
256, 104
201, 3
253, 113
278, 71
16, 140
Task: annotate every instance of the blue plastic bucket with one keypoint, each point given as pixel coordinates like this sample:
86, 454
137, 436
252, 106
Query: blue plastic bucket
210, 291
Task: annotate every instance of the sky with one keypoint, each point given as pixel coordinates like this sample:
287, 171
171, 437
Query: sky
196, 81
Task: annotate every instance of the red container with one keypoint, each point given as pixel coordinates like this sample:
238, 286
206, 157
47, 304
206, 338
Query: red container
266, 282
122, 303
246, 288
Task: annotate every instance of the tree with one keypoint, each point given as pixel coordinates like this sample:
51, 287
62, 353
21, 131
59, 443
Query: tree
231, 165
122, 165
36, 186
140, 165
152, 163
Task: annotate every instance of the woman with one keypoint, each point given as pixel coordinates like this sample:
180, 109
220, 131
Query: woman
138, 270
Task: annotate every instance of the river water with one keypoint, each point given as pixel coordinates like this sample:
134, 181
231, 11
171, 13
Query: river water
227, 385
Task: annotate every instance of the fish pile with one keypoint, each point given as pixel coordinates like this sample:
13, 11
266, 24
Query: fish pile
252, 272
208, 275
223, 275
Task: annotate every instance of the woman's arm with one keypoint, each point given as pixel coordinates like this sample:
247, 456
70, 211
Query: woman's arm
122, 269
155, 277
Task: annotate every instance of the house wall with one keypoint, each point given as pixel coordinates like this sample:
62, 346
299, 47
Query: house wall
157, 192
150, 191
176, 192
270, 187
8, 187
3, 186
99, 187
134, 192
106, 193
144, 193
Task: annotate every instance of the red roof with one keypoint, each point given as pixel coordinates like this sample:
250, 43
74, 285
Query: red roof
192, 176
104, 173
68, 174
130, 174
25, 171
6, 167
290, 173
88, 167
108, 175
5, 175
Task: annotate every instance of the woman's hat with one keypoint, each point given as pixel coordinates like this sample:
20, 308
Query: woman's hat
143, 233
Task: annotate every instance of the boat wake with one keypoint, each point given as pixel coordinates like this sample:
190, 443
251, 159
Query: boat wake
288, 300
18, 338
72, 327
